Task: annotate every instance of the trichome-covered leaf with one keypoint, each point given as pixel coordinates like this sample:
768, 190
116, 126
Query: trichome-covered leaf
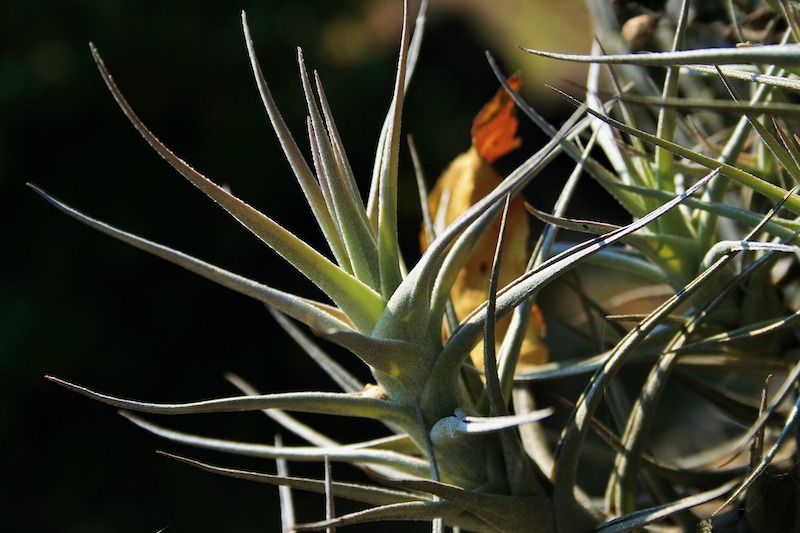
467, 179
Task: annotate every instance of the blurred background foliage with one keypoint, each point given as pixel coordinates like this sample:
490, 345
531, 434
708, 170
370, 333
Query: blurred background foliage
79, 305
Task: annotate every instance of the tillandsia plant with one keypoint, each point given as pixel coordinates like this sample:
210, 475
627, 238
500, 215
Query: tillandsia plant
709, 180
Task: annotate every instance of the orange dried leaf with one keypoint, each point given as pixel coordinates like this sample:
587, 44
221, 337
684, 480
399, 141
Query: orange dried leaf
494, 129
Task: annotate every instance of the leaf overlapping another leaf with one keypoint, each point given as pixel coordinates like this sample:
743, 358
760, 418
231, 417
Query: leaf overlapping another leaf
416, 330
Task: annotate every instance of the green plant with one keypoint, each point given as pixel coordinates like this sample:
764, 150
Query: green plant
455, 452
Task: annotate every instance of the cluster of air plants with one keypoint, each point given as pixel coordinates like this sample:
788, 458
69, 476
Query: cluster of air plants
708, 175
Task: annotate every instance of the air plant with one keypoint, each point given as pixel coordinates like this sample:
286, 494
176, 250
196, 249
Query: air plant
467, 447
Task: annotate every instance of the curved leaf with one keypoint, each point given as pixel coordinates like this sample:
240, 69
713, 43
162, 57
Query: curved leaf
371, 494
328, 403
778, 54
648, 516
676, 256
388, 247
750, 75
409, 511
398, 462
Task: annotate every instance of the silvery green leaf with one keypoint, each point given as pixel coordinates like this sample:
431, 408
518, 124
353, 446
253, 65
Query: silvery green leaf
284, 491
302, 172
371, 494
745, 74
336, 178
330, 403
398, 462
709, 104
286, 420
660, 249
389, 149
303, 309
729, 247
459, 425
406, 511
647, 516
785, 55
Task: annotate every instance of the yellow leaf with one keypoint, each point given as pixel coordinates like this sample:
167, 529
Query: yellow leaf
467, 179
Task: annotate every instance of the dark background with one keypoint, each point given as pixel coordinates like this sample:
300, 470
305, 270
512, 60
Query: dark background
79, 305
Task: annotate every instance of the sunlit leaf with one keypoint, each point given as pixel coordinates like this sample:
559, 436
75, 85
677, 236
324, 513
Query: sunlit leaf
469, 178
